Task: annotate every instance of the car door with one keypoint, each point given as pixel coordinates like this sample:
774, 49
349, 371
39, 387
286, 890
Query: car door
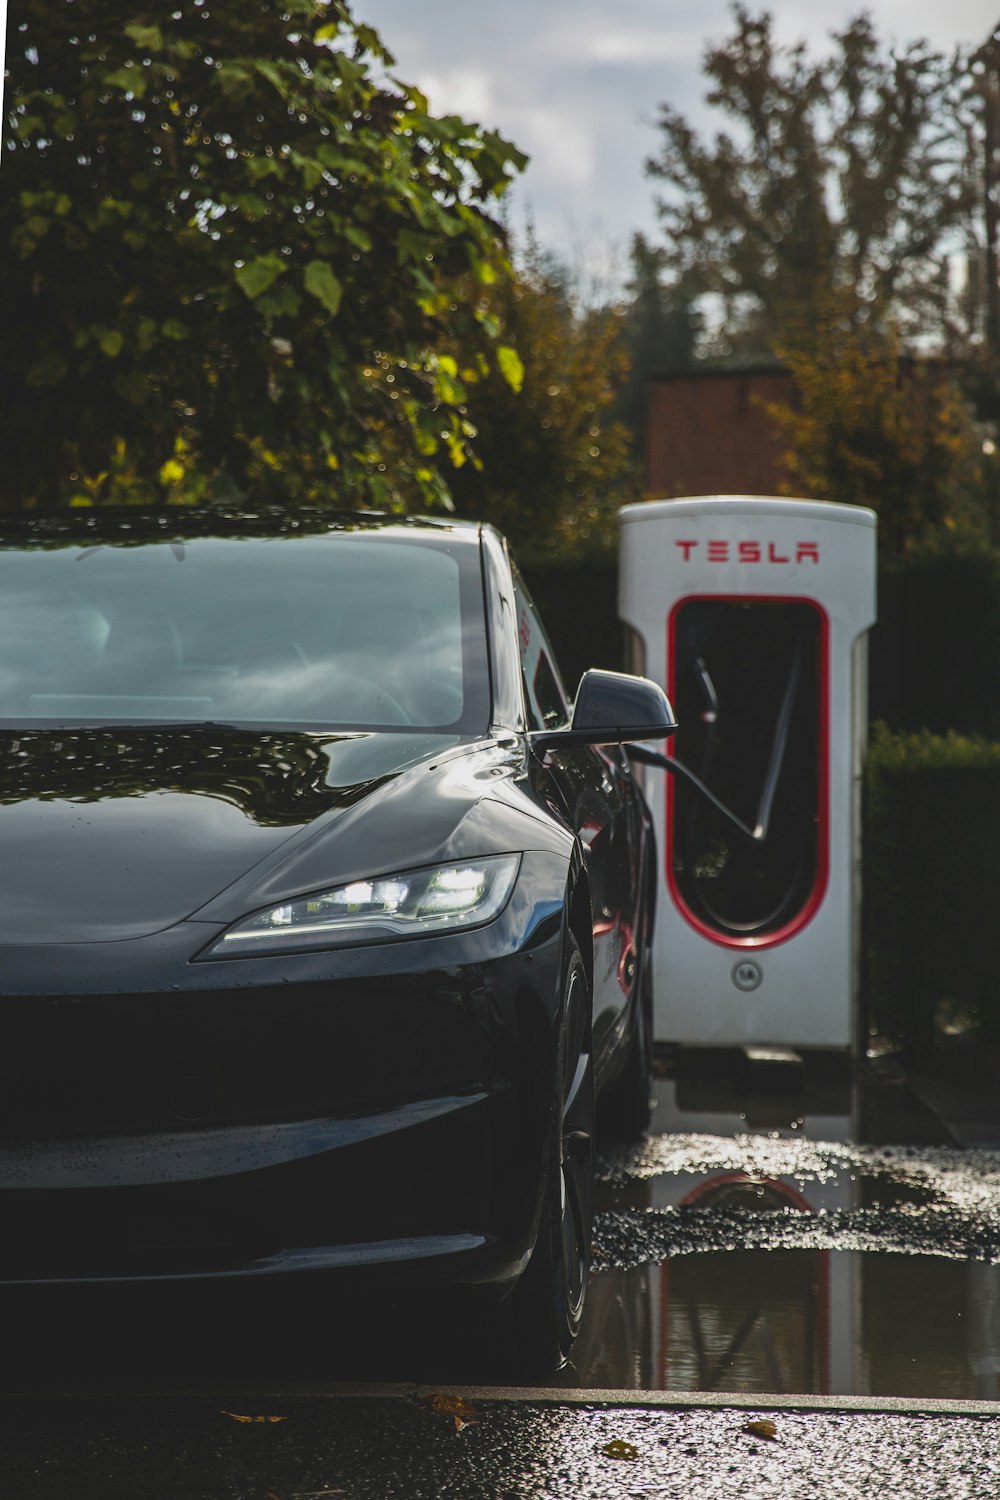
591, 788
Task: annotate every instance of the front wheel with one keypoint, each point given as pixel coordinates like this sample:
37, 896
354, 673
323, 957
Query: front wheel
546, 1306
626, 1106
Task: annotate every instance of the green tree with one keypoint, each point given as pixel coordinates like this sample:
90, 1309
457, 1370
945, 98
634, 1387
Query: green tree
552, 462
845, 172
872, 428
239, 257
976, 331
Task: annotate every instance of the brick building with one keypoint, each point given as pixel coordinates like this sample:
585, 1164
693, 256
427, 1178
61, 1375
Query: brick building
708, 432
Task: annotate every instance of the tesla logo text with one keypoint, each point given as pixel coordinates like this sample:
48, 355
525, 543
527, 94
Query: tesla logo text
753, 552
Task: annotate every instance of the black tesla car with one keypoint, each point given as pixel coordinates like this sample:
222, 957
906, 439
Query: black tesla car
325, 918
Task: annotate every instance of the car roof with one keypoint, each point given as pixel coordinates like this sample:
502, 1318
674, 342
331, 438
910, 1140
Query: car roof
135, 524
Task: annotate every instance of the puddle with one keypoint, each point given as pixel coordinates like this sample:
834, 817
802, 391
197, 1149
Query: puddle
808, 1322
756, 1245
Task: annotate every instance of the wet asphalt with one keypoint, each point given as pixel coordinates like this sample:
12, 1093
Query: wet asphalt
825, 1260
409, 1447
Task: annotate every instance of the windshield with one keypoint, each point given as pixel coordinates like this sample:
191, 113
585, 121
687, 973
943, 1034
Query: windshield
369, 629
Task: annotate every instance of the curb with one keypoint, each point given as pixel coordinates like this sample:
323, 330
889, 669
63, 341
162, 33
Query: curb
658, 1400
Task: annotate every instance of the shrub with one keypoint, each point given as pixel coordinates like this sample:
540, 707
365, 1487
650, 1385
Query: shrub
932, 885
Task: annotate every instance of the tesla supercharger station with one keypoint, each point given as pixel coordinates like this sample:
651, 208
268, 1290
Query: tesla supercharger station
753, 613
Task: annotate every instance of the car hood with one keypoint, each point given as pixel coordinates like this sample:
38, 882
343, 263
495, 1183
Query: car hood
111, 834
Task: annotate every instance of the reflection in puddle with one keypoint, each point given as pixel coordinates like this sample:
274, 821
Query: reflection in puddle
721, 1321
798, 1321
806, 1322
774, 1255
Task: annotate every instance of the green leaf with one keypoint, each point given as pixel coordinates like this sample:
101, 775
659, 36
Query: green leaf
272, 73
504, 152
511, 366
110, 342
257, 275
356, 236
487, 322
250, 205
320, 281
411, 246
132, 80
283, 302
456, 450
309, 165
233, 76
482, 267
339, 161
146, 38
262, 166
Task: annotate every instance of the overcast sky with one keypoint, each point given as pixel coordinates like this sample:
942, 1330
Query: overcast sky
576, 84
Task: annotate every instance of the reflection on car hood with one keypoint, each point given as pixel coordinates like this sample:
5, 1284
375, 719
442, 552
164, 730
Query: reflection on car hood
117, 832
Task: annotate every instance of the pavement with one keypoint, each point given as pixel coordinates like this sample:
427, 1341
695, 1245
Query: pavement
422, 1443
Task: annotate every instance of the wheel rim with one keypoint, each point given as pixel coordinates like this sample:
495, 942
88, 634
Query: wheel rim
576, 1147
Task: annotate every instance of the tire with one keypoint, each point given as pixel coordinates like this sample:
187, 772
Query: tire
542, 1315
626, 1106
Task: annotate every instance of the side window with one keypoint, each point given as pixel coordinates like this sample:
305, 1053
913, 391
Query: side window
544, 694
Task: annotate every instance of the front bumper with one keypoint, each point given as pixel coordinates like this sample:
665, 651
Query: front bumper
381, 1109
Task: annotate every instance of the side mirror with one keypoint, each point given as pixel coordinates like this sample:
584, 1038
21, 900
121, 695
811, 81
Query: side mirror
610, 709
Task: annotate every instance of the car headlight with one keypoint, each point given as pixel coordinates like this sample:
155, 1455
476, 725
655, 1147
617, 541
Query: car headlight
389, 907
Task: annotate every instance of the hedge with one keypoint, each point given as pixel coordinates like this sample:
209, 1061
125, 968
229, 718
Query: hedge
932, 886
935, 651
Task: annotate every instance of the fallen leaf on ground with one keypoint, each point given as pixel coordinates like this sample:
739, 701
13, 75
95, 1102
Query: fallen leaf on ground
761, 1428
619, 1449
237, 1417
462, 1412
